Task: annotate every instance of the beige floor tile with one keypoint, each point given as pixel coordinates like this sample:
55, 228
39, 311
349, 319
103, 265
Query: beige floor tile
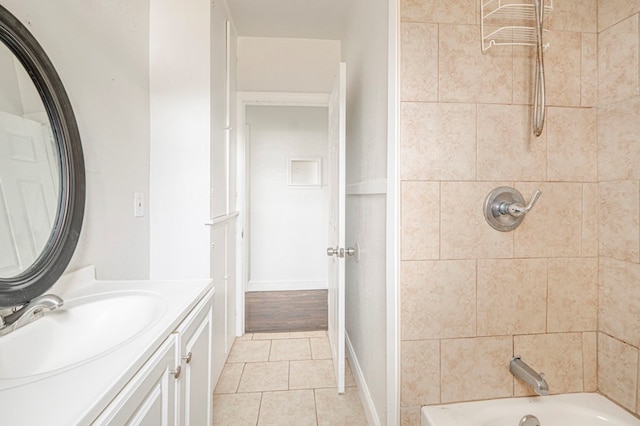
246, 336
290, 349
236, 409
311, 374
270, 336
334, 409
288, 408
230, 378
249, 351
306, 334
320, 348
264, 376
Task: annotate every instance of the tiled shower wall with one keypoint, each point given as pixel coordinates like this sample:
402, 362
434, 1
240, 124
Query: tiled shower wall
619, 195
472, 297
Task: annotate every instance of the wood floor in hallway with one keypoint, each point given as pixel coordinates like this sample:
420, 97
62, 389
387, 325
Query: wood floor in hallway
284, 379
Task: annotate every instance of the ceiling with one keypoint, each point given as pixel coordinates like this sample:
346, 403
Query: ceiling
314, 19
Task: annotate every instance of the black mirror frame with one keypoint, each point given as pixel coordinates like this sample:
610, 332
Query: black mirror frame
54, 259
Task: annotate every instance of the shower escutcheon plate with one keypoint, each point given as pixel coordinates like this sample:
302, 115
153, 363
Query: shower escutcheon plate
504, 208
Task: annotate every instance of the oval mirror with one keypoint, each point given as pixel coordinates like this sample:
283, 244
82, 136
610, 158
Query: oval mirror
42, 182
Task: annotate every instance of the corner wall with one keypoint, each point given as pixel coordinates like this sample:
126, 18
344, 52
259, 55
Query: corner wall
619, 202
101, 52
365, 51
471, 296
180, 102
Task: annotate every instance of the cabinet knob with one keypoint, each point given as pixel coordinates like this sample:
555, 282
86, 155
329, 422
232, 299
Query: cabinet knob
176, 372
187, 357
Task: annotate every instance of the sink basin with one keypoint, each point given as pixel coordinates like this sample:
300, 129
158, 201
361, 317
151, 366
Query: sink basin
83, 329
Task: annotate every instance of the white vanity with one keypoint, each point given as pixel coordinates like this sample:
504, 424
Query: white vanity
117, 352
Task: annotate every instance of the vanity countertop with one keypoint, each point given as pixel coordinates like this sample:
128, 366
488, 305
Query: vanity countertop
77, 394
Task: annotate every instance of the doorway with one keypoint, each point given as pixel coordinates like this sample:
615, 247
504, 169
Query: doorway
284, 141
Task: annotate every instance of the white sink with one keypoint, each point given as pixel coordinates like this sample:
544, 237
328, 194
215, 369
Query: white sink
83, 329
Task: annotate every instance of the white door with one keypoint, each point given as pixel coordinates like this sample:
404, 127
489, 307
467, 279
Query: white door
336, 249
28, 192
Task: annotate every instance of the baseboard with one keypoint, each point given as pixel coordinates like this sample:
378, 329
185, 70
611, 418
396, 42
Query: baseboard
363, 390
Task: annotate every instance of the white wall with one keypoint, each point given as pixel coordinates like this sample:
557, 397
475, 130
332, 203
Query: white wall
101, 51
365, 52
287, 64
180, 67
288, 224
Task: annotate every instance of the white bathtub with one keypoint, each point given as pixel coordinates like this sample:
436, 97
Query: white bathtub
577, 409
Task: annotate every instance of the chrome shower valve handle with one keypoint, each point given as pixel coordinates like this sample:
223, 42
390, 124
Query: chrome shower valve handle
517, 209
504, 208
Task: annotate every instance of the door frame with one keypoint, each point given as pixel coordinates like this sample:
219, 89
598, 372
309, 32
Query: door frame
245, 99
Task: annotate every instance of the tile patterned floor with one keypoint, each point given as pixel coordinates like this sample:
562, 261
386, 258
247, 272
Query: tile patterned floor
284, 379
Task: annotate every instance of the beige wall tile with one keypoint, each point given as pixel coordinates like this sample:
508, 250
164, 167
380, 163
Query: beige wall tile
611, 12
410, 416
464, 232
438, 299
572, 298
459, 11
468, 75
617, 371
618, 147
572, 145
507, 149
420, 373
619, 300
523, 75
553, 228
619, 223
419, 62
562, 61
438, 141
574, 15
558, 356
420, 220
618, 61
476, 368
511, 296
589, 70
590, 219
590, 361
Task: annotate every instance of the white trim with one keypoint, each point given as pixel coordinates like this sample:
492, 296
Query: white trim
365, 396
285, 285
393, 219
283, 98
373, 187
243, 100
222, 220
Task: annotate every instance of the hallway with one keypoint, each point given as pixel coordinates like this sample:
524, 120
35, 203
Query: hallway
284, 379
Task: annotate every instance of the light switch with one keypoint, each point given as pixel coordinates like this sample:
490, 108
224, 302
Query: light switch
138, 206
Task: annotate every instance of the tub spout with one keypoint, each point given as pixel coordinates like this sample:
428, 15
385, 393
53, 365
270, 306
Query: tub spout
522, 371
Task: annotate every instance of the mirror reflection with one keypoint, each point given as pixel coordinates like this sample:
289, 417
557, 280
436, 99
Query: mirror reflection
29, 169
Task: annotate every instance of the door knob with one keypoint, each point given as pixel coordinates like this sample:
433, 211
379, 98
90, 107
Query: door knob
333, 251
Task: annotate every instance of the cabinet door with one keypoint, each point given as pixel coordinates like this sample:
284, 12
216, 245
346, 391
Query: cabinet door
148, 399
194, 349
